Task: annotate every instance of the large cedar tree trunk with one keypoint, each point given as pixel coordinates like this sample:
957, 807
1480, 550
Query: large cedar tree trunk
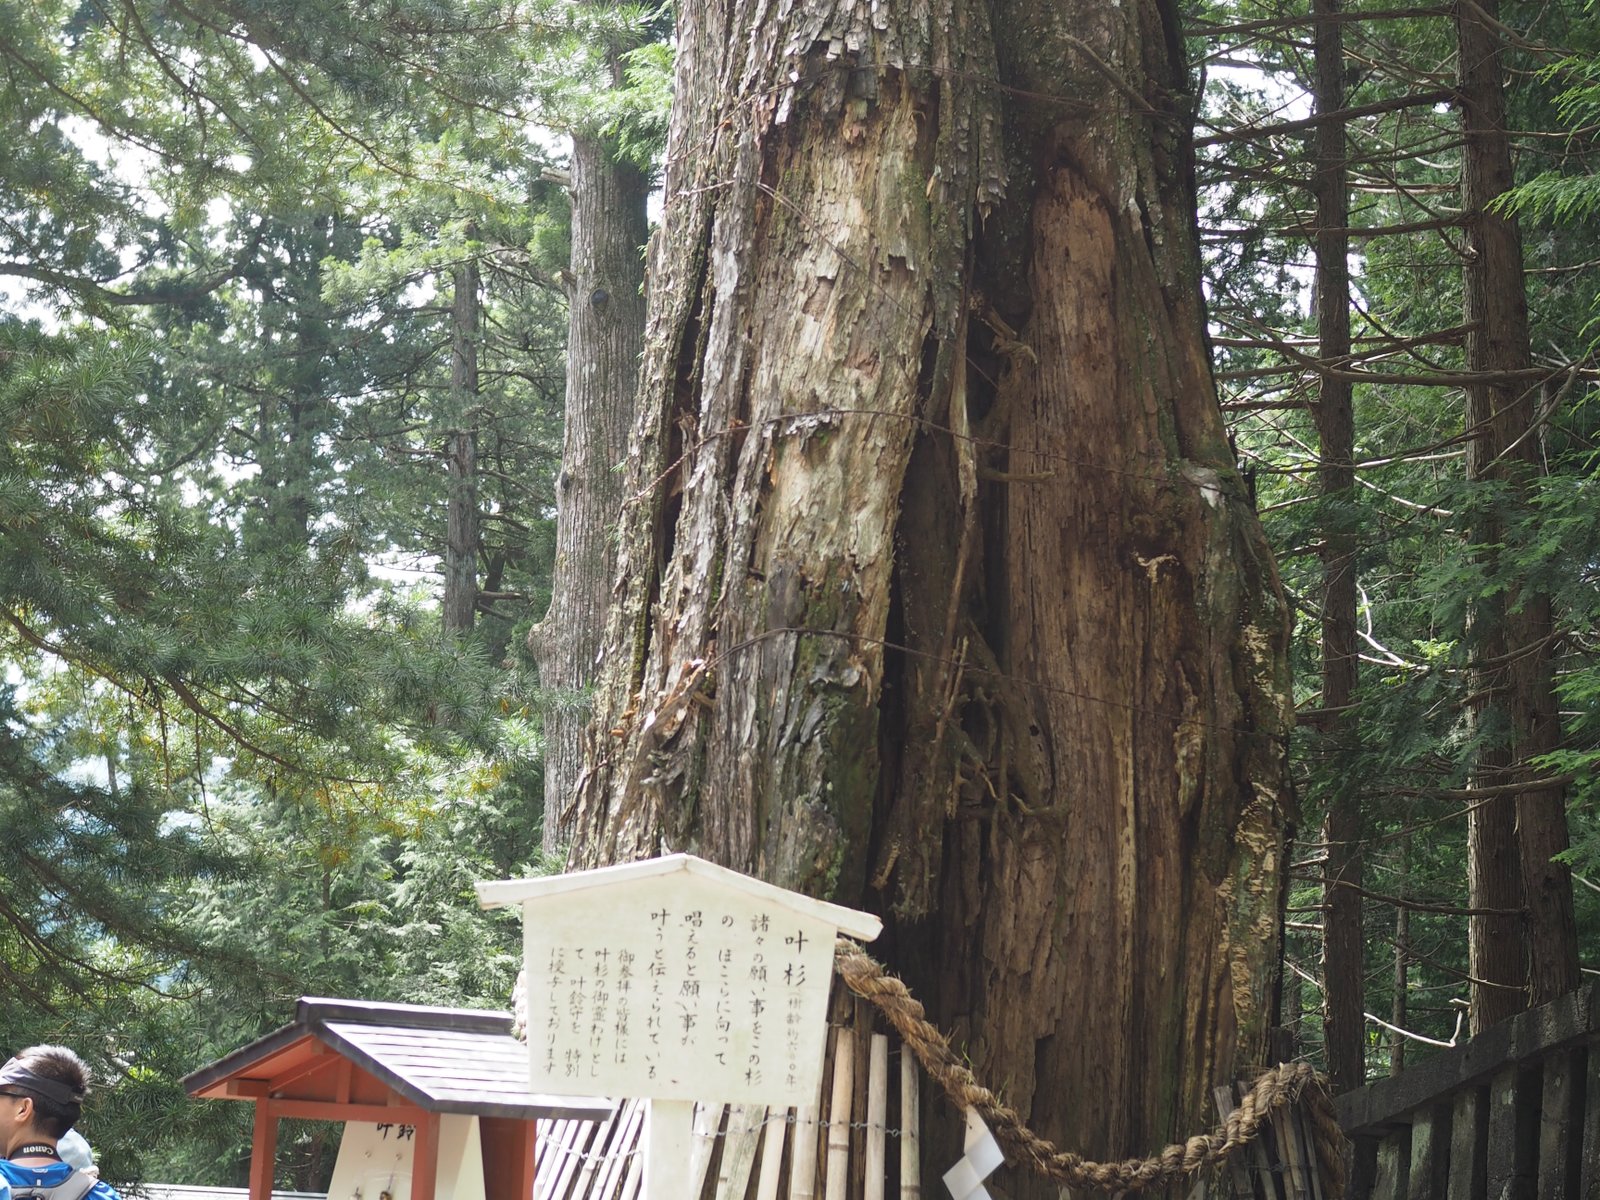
1512, 840
605, 332
941, 595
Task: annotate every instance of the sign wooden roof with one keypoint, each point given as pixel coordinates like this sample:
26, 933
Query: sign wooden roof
514, 891
362, 1054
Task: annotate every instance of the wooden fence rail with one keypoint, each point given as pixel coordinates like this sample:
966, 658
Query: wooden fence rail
861, 1139
1513, 1114
835, 1150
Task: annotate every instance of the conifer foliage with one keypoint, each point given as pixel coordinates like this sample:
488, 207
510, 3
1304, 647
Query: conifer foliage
240, 759
1440, 794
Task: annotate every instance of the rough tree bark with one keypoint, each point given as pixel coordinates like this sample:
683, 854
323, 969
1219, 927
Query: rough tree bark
1512, 841
1343, 953
605, 333
1402, 981
939, 593
460, 604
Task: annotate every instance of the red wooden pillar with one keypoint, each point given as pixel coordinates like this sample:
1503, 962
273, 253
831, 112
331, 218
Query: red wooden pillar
508, 1158
264, 1151
425, 1163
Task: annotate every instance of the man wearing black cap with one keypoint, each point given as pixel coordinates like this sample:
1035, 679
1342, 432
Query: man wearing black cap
41, 1096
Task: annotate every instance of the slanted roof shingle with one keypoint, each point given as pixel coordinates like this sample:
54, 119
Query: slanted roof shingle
441, 1059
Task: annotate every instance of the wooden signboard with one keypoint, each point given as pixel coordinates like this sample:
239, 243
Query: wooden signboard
376, 1161
676, 980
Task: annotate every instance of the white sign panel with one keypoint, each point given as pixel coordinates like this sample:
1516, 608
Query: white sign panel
674, 989
674, 979
376, 1159
374, 1162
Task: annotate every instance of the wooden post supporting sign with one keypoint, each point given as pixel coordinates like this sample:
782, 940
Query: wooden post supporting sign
668, 1132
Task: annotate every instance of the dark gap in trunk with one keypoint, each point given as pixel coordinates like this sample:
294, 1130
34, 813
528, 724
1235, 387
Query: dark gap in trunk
680, 421
924, 563
984, 366
893, 717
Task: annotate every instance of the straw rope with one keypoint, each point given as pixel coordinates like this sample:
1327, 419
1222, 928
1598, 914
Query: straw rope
1278, 1087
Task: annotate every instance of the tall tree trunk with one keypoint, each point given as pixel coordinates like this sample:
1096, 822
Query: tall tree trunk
1343, 956
1512, 840
1397, 1003
605, 336
461, 457
942, 595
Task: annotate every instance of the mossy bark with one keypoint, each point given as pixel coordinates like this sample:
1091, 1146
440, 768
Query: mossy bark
939, 593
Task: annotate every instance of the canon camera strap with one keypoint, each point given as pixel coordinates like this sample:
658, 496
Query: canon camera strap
35, 1150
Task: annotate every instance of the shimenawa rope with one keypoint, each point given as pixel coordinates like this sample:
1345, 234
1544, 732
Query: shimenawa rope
1277, 1087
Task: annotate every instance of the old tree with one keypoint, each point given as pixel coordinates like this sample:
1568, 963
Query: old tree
939, 594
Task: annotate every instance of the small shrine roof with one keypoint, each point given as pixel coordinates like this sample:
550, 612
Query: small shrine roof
447, 1060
